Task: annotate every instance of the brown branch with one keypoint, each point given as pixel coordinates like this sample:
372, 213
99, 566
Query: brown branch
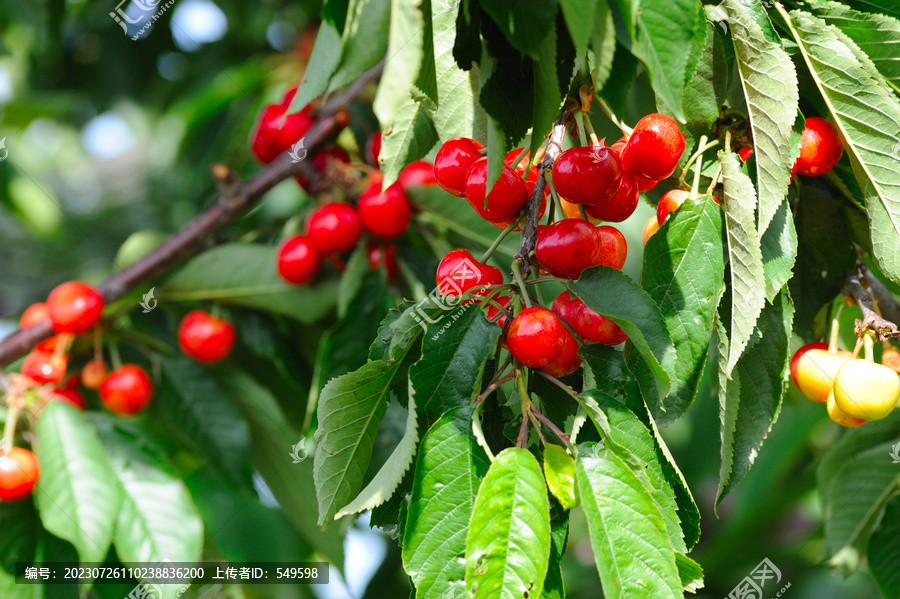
856, 287
235, 198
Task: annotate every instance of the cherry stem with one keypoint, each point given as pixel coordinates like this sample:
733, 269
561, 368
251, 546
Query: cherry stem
522, 439
702, 147
494, 386
521, 156
728, 140
584, 214
869, 344
715, 179
62, 345
589, 127
12, 418
98, 345
859, 343
114, 355
608, 111
557, 203
579, 125
834, 332
490, 251
549, 424
516, 265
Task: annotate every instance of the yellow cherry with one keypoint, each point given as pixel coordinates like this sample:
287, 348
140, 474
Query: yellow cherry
866, 390
839, 416
814, 369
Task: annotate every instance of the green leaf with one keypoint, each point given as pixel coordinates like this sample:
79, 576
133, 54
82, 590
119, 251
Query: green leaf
406, 52
683, 272
691, 573
524, 24
579, 16
505, 75
559, 468
453, 359
364, 41
201, 413
750, 408
548, 99
350, 409
603, 43
770, 87
410, 137
610, 293
324, 59
886, 7
77, 495
554, 588
388, 478
856, 477
868, 118
650, 24
884, 551
508, 545
628, 534
706, 87
779, 250
245, 275
747, 283
448, 470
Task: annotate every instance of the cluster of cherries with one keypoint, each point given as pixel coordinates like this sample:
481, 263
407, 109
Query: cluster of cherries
854, 390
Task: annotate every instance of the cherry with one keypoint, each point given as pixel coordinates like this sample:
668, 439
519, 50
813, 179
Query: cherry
588, 175
619, 146
322, 161
459, 272
571, 210
745, 153
506, 198
863, 389
795, 359
93, 373
813, 369
127, 390
650, 228
568, 359
71, 396
589, 325
205, 337
386, 214
416, 174
333, 227
33, 315
654, 148
45, 367
298, 260
613, 247
272, 136
839, 416
567, 247
525, 163
535, 337
670, 202
621, 206
820, 147
74, 307
453, 161
645, 184
19, 472
383, 254
519, 216
373, 148
493, 311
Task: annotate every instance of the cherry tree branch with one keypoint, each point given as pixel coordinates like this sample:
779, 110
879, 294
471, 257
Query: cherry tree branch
858, 286
234, 199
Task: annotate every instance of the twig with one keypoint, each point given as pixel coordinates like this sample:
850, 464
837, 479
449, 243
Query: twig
855, 286
189, 240
549, 424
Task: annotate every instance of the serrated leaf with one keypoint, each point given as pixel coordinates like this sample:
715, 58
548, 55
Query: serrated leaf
548, 98
779, 250
603, 44
884, 551
410, 137
706, 88
580, 19
613, 294
383, 485
628, 534
77, 495
524, 24
406, 52
770, 87
364, 40
868, 119
751, 401
324, 59
506, 74
559, 468
245, 275
508, 544
886, 7
691, 573
747, 282
683, 272
448, 470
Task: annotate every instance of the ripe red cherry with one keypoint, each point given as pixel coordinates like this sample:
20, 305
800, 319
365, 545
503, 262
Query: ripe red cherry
588, 175
66, 394
619, 146
45, 367
19, 472
567, 307
419, 173
493, 311
323, 160
333, 228
820, 147
459, 272
746, 152
799, 354
645, 184
75, 307
384, 215
205, 337
127, 390
533, 171
530, 187
506, 198
622, 205
670, 202
568, 359
272, 136
33, 315
383, 254
92, 374
373, 148
613, 247
535, 337
589, 325
298, 260
654, 148
567, 247
453, 161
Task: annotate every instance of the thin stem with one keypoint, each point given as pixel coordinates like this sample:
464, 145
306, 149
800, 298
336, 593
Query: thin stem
522, 439
834, 332
608, 111
703, 146
715, 179
728, 140
869, 344
558, 383
490, 251
579, 125
516, 265
521, 156
699, 157
549, 424
589, 127
494, 386
12, 418
584, 214
557, 201
114, 355
859, 344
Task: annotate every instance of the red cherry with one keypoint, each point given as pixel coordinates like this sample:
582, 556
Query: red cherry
205, 337
619, 146
506, 198
535, 337
622, 205
799, 353
74, 307
568, 359
92, 374
298, 260
588, 175
127, 390
533, 171
650, 228
71, 396
373, 148
383, 254
459, 272
645, 184
567, 247
323, 160
34, 315
613, 247
333, 227
419, 173
530, 187
589, 325
654, 148
453, 161
493, 311
384, 215
746, 152
19, 472
820, 147
670, 202
45, 367
276, 133
567, 307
